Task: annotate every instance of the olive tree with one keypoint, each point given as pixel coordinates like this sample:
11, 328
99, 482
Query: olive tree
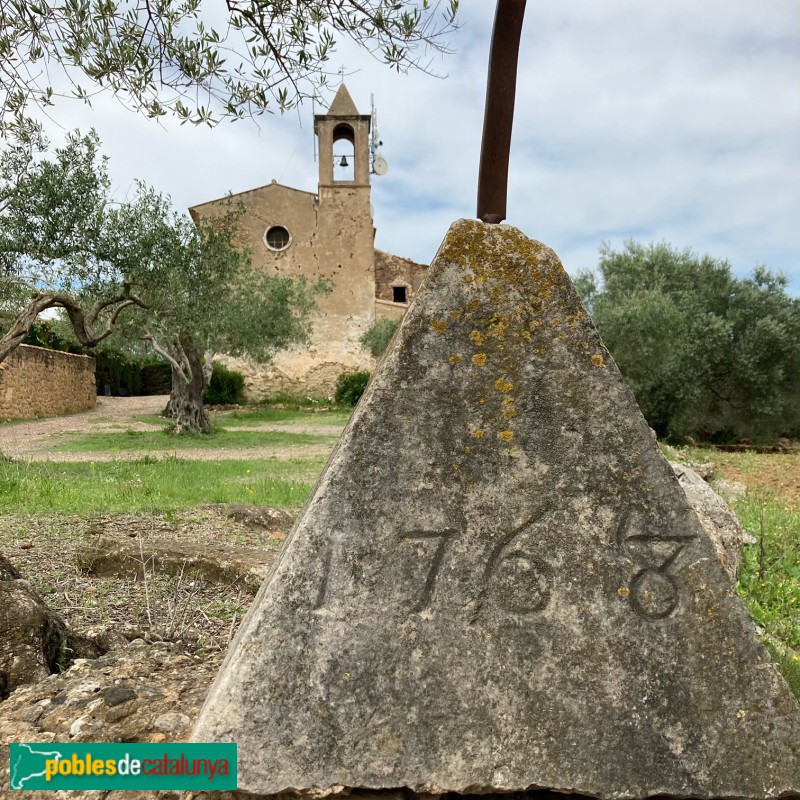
136, 270
200, 296
198, 59
56, 240
706, 354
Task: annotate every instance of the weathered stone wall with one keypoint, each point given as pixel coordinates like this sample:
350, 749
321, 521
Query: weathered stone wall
391, 271
386, 310
301, 371
35, 382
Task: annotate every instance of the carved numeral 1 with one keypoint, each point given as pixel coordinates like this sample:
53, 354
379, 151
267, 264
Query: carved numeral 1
331, 556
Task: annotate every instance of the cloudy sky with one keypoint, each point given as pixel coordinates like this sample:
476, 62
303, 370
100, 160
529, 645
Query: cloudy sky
676, 121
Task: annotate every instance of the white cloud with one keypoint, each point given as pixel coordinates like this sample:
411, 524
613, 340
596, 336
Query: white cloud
675, 121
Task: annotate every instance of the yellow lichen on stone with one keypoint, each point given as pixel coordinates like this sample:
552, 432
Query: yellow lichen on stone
497, 330
477, 338
479, 433
455, 358
455, 315
506, 436
439, 325
623, 591
503, 385
479, 359
468, 279
598, 360
510, 412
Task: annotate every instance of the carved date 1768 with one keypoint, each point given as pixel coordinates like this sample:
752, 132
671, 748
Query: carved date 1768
519, 582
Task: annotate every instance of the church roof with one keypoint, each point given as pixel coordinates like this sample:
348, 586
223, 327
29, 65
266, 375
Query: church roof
274, 186
343, 105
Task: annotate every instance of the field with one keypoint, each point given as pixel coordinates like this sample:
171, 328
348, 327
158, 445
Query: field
117, 470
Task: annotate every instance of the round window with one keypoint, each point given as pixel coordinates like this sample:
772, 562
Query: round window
277, 237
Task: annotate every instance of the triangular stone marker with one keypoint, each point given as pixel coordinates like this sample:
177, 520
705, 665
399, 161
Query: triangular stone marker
498, 584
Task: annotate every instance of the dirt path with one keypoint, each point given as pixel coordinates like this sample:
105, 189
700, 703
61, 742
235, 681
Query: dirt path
20, 439
35, 440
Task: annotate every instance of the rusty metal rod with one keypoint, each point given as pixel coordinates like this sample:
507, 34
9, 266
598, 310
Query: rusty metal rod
499, 115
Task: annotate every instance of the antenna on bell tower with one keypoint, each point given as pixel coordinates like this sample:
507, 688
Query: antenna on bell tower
378, 164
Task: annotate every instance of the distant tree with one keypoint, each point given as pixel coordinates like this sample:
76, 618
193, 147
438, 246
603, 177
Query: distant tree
186, 290
197, 59
200, 296
377, 337
54, 240
705, 353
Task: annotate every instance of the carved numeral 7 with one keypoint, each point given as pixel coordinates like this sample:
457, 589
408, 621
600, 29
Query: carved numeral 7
446, 537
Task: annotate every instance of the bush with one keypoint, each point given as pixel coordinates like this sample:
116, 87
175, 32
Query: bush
156, 377
226, 387
380, 333
707, 354
122, 373
350, 386
42, 334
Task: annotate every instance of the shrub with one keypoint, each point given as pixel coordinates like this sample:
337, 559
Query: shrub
121, 372
350, 386
226, 387
156, 377
377, 337
707, 354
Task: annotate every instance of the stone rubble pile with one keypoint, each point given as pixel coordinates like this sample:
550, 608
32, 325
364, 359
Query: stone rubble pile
141, 692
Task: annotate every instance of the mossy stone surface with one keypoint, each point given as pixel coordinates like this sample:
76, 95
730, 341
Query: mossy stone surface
498, 584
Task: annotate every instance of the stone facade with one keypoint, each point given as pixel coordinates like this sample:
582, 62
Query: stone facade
397, 280
324, 236
35, 382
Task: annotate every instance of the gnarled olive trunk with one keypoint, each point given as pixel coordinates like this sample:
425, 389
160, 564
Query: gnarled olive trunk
171, 409
185, 404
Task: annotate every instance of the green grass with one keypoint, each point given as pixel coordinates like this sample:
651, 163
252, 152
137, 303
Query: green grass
282, 416
769, 582
277, 416
769, 579
301, 400
151, 419
158, 485
124, 441
20, 421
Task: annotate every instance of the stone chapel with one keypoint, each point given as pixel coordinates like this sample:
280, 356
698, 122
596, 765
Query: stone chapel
328, 234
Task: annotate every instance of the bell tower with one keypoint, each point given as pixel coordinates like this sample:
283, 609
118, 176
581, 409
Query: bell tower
343, 124
344, 237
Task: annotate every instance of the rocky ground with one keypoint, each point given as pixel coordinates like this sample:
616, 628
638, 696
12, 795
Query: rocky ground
161, 595
163, 602
163, 651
